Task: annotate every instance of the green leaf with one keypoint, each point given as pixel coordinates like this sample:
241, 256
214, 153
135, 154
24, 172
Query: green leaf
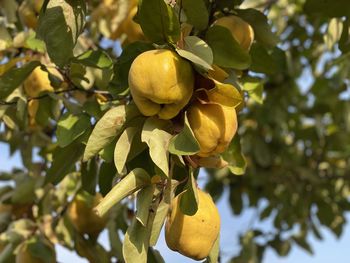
95, 59
262, 61
197, 51
122, 67
344, 42
89, 173
34, 43
40, 250
64, 160
260, 25
135, 180
7, 255
105, 131
157, 139
301, 241
333, 34
143, 203
14, 77
282, 247
122, 148
161, 214
60, 26
153, 256
135, 245
189, 198
236, 201
106, 175
70, 127
233, 155
214, 252
255, 88
327, 8
227, 51
196, 13
24, 192
158, 21
184, 143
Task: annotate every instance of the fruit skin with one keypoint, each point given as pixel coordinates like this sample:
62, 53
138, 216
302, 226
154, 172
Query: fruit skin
28, 12
129, 27
82, 216
161, 83
37, 82
193, 236
240, 30
213, 125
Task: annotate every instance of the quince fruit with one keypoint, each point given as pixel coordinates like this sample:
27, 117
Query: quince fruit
82, 216
28, 12
193, 236
37, 82
129, 27
240, 30
161, 83
213, 125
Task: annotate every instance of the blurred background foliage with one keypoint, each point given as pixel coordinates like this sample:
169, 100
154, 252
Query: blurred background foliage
297, 142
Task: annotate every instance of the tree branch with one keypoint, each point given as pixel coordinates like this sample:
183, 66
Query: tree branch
102, 92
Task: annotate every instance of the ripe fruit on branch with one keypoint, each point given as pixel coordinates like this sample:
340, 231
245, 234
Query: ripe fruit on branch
28, 12
213, 125
129, 27
193, 236
37, 82
84, 219
161, 83
240, 30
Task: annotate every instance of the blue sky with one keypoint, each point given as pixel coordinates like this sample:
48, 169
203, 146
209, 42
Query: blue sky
326, 251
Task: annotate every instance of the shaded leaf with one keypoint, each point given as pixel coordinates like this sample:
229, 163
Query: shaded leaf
157, 139
70, 127
129, 184
105, 131
14, 77
196, 13
60, 24
158, 21
185, 142
227, 52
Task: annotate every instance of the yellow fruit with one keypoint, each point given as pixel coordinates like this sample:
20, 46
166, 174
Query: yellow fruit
37, 4
37, 82
33, 106
130, 28
24, 255
29, 11
161, 83
218, 73
193, 236
213, 125
240, 30
82, 216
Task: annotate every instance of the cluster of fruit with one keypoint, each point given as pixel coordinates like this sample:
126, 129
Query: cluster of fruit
80, 213
164, 84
